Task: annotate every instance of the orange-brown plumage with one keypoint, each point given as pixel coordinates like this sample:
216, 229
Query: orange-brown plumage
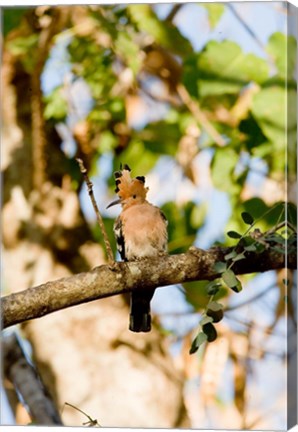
141, 231
128, 187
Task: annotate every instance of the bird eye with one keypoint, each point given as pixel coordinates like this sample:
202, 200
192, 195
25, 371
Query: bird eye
134, 196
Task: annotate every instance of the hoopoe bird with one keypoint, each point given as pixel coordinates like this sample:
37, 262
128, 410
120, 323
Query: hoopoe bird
140, 231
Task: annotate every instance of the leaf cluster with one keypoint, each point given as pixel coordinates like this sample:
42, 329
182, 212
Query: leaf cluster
284, 242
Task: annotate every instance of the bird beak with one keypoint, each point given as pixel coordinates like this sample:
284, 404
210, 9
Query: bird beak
117, 201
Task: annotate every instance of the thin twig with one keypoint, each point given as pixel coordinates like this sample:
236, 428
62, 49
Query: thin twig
98, 215
166, 99
250, 300
251, 33
198, 114
173, 12
246, 26
91, 422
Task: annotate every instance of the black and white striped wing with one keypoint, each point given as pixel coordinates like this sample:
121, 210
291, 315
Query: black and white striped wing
165, 246
119, 238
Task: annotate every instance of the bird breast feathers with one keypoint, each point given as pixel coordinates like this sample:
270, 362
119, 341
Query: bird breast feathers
145, 231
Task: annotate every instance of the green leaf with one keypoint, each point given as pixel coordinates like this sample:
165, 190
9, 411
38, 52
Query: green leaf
210, 332
129, 50
254, 139
251, 248
215, 311
283, 50
190, 74
230, 255
12, 18
234, 234
206, 320
212, 287
269, 215
230, 278
274, 109
222, 169
107, 141
239, 257
198, 215
195, 293
292, 239
238, 287
56, 106
163, 32
247, 240
247, 218
279, 250
276, 238
292, 213
197, 342
215, 306
231, 281
220, 267
161, 137
215, 11
224, 68
181, 230
260, 247
22, 45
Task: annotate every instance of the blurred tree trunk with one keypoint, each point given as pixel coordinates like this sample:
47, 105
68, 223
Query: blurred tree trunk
96, 364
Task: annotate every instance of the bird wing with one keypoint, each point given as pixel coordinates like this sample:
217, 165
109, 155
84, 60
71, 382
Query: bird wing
119, 238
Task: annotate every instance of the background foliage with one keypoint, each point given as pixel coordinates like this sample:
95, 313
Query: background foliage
207, 127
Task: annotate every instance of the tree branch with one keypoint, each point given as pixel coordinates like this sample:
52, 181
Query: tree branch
97, 212
122, 277
39, 141
173, 12
199, 115
25, 379
251, 33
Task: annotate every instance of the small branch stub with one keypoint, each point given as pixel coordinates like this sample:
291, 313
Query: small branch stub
97, 213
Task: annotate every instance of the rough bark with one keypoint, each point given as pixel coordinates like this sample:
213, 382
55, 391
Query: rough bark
120, 278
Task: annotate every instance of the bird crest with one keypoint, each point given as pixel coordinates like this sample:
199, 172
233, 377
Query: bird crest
126, 186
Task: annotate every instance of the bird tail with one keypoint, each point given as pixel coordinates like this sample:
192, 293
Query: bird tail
140, 318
